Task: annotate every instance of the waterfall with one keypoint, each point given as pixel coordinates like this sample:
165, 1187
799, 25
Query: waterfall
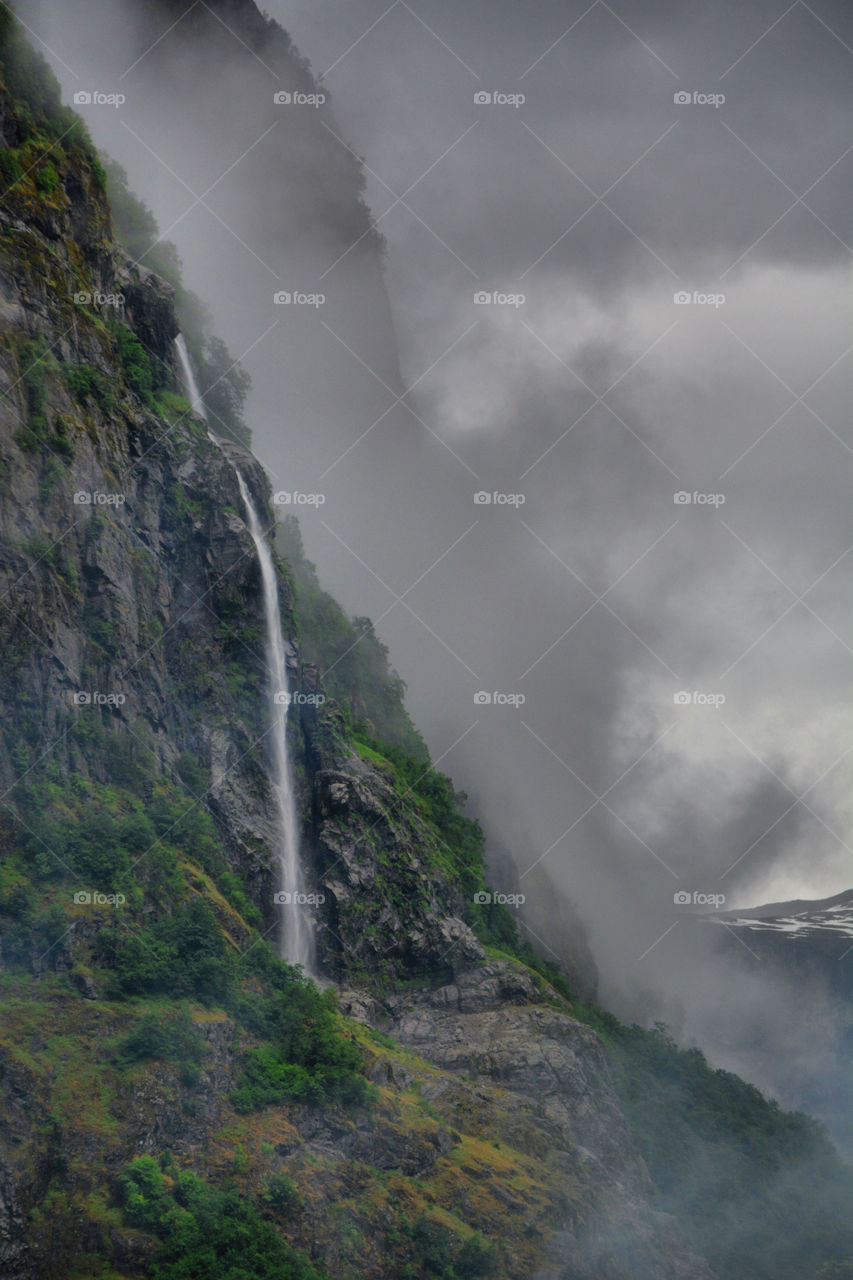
296, 938
190, 384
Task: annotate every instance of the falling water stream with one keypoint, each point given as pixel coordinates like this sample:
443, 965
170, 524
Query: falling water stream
296, 935
190, 385
295, 931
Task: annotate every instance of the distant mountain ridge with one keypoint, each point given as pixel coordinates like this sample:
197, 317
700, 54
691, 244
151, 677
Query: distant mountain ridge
832, 913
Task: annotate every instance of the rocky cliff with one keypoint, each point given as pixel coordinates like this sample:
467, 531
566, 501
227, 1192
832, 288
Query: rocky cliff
147, 1028
132, 664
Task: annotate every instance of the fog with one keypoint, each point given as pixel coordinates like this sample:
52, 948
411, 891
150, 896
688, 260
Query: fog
586, 402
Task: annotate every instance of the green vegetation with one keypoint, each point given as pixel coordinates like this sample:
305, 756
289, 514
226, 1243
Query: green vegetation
734, 1168
136, 228
47, 179
440, 1255
282, 1195
39, 114
224, 382
85, 382
143, 374
170, 929
36, 361
11, 169
168, 1035
40, 432
205, 1231
461, 839
305, 1059
352, 660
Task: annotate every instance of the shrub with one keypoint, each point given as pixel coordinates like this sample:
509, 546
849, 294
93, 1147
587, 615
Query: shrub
307, 1059
204, 1231
11, 169
282, 1195
462, 837
136, 363
171, 1036
35, 361
47, 179
85, 382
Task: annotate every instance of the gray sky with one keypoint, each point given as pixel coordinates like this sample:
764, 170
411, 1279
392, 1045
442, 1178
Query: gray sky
597, 398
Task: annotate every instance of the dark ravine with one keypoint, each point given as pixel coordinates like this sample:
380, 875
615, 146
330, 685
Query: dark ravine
494, 1112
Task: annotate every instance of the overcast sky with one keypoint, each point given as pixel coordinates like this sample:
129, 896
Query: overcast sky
597, 397
749, 199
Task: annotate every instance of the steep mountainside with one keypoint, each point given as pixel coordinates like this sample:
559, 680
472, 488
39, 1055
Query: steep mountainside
174, 1100
804, 949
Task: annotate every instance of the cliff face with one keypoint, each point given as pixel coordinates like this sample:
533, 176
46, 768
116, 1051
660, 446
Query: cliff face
132, 692
129, 577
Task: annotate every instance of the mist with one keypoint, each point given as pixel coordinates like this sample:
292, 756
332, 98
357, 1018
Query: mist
586, 402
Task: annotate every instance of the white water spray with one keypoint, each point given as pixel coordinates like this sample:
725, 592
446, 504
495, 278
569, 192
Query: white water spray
190, 384
296, 941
